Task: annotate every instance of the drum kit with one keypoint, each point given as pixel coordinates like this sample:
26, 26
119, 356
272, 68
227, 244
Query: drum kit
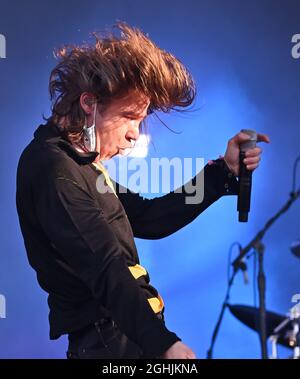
280, 329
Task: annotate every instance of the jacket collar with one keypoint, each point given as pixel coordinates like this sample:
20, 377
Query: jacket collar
50, 133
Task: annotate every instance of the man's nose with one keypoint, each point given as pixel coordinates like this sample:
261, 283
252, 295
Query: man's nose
133, 132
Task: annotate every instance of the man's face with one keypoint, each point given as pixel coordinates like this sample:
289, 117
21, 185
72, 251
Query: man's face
117, 126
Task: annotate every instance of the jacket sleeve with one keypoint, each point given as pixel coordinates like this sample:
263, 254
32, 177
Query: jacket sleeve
159, 217
79, 231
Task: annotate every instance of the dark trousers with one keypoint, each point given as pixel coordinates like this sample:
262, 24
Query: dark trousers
103, 340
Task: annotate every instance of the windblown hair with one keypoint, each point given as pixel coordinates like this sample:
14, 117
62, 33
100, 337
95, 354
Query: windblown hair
109, 69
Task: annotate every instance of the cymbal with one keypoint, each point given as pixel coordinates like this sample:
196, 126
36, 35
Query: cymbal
250, 316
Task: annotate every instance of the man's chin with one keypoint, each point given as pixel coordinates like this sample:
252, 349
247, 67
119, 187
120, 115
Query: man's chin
125, 152
116, 154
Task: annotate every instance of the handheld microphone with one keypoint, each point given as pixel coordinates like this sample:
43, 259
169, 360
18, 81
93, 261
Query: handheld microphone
245, 177
243, 267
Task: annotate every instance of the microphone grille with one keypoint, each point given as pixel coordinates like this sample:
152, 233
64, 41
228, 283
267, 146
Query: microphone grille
251, 143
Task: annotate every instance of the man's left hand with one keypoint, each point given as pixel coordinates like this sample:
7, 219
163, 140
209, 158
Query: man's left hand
252, 159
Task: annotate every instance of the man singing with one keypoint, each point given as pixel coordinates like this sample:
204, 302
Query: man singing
79, 241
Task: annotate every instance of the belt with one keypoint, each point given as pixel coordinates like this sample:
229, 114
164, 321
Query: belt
107, 320
101, 323
77, 336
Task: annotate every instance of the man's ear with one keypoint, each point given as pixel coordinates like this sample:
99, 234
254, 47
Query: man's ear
86, 102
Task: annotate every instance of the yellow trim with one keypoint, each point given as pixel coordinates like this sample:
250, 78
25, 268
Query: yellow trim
137, 271
99, 166
156, 303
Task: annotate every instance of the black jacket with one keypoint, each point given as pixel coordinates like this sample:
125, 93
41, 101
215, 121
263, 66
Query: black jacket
81, 242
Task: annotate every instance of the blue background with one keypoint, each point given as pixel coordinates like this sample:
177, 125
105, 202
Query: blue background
239, 53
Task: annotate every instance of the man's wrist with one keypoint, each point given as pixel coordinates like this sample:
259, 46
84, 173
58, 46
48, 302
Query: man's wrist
226, 180
227, 166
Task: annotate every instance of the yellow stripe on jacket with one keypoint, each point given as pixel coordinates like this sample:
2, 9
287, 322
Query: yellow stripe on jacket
156, 303
99, 166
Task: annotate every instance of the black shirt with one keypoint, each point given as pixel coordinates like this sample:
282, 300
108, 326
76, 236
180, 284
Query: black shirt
81, 242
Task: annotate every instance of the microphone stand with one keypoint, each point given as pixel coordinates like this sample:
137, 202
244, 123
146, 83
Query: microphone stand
261, 284
257, 245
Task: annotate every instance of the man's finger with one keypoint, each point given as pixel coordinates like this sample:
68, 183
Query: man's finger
243, 137
251, 160
263, 138
252, 167
254, 152
239, 138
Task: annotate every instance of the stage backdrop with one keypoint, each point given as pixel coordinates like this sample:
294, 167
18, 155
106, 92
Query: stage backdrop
240, 54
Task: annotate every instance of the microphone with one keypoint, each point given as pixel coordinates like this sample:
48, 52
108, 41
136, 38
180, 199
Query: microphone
243, 267
245, 177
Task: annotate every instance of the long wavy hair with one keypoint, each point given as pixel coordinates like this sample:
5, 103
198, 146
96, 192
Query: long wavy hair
115, 64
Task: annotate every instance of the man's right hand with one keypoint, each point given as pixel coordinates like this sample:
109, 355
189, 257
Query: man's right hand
178, 351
